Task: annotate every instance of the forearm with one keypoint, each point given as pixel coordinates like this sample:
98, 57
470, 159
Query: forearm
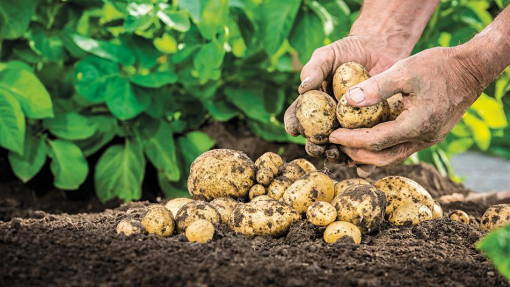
399, 23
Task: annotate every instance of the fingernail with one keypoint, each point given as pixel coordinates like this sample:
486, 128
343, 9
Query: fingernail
356, 95
303, 83
333, 139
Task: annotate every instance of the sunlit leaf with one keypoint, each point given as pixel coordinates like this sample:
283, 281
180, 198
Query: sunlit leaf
68, 164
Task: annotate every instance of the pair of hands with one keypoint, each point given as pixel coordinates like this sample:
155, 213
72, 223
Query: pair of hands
437, 86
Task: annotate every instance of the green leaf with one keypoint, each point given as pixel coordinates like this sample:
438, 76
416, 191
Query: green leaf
339, 12
214, 18
496, 245
146, 54
162, 103
491, 111
119, 172
106, 131
194, 7
122, 100
93, 77
26, 166
177, 20
250, 102
68, 164
459, 145
273, 132
154, 80
200, 140
15, 65
278, 19
480, 131
15, 17
71, 126
221, 110
141, 16
307, 35
166, 44
29, 91
171, 190
106, 50
12, 123
208, 61
49, 45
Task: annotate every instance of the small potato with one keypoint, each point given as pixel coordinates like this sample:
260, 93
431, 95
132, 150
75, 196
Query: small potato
158, 220
412, 213
315, 111
312, 187
347, 76
267, 167
225, 206
342, 232
256, 190
278, 187
401, 191
321, 213
460, 216
262, 198
351, 117
344, 184
263, 218
304, 164
200, 231
221, 173
130, 226
194, 211
269, 157
175, 204
496, 216
292, 171
361, 205
396, 106
437, 210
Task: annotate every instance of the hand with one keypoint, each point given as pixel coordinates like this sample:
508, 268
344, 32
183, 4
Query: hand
438, 85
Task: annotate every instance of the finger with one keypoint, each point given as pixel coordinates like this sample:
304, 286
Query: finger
315, 72
314, 150
365, 170
389, 156
334, 155
292, 125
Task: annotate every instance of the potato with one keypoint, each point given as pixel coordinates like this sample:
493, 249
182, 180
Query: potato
225, 206
315, 111
341, 231
304, 164
401, 191
262, 198
292, 171
460, 216
361, 205
130, 226
200, 231
269, 157
278, 187
347, 76
344, 184
256, 190
267, 167
351, 117
158, 220
175, 204
412, 213
263, 218
496, 216
321, 213
312, 187
194, 211
221, 173
396, 106
437, 210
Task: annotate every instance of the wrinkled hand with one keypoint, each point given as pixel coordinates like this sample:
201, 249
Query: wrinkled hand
438, 86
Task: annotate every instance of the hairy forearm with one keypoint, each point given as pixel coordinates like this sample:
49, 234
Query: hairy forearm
399, 23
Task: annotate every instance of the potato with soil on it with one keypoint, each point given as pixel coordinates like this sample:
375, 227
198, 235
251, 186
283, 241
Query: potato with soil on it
412, 213
321, 213
347, 76
304, 164
342, 232
130, 226
289, 173
460, 216
340, 186
263, 218
361, 205
496, 216
200, 231
262, 198
401, 191
158, 220
175, 204
351, 117
194, 211
256, 190
268, 165
225, 206
312, 187
437, 210
221, 173
315, 111
396, 106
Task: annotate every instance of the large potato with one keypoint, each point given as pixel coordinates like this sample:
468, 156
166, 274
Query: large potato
268, 165
200, 231
263, 218
340, 186
412, 213
396, 106
130, 226
194, 211
347, 76
321, 213
225, 206
158, 220
315, 112
341, 231
221, 173
263, 198
496, 216
361, 205
175, 204
312, 187
401, 191
351, 117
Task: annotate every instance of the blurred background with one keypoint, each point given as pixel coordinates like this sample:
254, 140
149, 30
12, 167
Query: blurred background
106, 93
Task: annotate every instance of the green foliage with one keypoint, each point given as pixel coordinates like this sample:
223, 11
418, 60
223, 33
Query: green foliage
496, 245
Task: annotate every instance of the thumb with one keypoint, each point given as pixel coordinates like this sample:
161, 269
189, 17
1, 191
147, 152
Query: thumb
375, 89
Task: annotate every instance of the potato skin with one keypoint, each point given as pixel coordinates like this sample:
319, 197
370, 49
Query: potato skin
267, 165
263, 218
347, 76
221, 173
401, 191
396, 106
315, 111
130, 226
194, 211
225, 206
361, 205
412, 213
158, 220
341, 231
200, 231
495, 216
351, 117
312, 187
321, 213
437, 210
278, 187
460, 216
304, 164
175, 204
262, 198
340, 186
256, 190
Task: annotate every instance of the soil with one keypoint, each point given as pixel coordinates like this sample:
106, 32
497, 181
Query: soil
40, 245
